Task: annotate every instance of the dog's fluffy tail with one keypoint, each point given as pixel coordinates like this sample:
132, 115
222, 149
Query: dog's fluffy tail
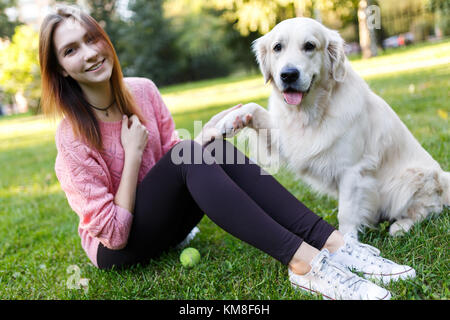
445, 183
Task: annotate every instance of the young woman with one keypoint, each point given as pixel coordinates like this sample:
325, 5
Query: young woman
116, 146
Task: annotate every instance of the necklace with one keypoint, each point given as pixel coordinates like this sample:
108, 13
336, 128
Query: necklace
102, 109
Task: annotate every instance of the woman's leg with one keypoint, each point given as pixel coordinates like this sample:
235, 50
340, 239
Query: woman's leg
159, 216
163, 216
272, 197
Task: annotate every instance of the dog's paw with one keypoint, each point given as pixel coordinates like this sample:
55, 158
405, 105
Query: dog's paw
208, 134
396, 230
233, 122
400, 227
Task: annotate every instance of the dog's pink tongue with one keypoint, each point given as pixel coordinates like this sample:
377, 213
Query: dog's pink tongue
293, 97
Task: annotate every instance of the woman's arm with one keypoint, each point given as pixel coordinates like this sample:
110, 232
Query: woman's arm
134, 139
126, 193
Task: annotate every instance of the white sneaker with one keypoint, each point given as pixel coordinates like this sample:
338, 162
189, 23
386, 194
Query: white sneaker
367, 260
188, 238
334, 281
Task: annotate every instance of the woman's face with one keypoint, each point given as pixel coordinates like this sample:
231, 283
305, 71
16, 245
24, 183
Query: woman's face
81, 57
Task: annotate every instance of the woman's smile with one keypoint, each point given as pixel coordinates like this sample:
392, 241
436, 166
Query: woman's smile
96, 66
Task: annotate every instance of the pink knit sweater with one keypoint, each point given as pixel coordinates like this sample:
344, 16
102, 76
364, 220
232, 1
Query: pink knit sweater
90, 178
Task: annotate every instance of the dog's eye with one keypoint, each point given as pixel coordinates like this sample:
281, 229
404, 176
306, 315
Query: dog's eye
309, 46
277, 47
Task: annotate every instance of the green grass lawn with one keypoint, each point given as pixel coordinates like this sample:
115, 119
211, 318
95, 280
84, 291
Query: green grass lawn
39, 239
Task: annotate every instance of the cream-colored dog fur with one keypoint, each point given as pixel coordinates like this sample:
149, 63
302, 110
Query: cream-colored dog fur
342, 139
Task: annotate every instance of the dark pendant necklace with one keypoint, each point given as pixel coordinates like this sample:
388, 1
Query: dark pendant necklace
102, 109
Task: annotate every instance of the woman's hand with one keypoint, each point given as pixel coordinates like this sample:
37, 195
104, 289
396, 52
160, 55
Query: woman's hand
134, 137
209, 131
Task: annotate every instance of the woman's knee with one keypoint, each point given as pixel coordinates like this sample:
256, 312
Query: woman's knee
225, 152
219, 151
188, 143
187, 152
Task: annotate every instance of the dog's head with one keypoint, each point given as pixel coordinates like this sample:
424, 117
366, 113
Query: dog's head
298, 53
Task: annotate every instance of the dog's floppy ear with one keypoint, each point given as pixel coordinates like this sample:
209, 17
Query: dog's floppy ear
261, 52
336, 53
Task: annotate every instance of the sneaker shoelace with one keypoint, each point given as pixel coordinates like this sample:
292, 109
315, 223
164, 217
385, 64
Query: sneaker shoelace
188, 238
366, 253
331, 271
369, 248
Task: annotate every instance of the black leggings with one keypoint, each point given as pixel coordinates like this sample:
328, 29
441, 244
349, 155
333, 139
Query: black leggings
251, 206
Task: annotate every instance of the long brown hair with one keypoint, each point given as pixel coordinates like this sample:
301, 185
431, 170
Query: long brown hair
62, 96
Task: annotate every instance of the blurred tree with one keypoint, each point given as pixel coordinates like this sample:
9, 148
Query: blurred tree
105, 12
7, 26
260, 15
202, 43
441, 8
208, 44
147, 43
20, 66
403, 16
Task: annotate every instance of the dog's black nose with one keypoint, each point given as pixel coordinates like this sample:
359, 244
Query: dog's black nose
290, 75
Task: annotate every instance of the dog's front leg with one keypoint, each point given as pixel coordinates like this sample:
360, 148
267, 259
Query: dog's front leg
263, 139
358, 201
253, 116
250, 115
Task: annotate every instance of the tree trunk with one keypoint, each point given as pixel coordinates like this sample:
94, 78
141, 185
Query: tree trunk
300, 8
367, 37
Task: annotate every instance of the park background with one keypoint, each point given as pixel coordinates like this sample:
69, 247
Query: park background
198, 53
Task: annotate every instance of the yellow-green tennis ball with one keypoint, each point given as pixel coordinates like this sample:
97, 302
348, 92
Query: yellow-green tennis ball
189, 257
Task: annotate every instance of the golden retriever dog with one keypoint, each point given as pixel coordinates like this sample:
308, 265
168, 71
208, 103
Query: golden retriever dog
336, 134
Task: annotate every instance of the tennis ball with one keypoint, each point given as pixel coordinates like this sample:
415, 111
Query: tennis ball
189, 257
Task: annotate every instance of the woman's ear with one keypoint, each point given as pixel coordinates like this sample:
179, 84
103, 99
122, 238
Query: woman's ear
261, 52
336, 54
